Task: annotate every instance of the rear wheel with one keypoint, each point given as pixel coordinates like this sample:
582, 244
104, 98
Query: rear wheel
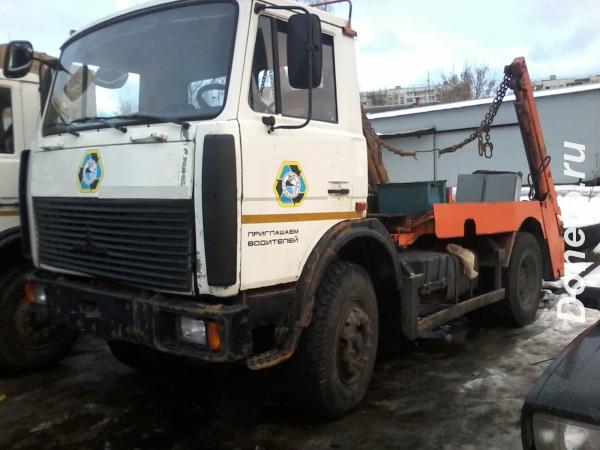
139, 357
29, 337
335, 359
523, 283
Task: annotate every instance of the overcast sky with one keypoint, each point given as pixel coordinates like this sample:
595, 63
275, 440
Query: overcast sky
399, 42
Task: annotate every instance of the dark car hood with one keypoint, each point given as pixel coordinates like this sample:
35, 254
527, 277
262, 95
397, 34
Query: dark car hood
570, 387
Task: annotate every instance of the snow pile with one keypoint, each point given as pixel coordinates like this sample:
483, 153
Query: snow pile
580, 205
591, 280
580, 209
492, 379
555, 328
508, 372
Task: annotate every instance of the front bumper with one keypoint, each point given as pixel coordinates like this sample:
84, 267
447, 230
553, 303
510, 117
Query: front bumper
141, 317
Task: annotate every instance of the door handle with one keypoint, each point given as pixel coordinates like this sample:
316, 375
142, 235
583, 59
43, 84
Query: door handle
57, 146
339, 191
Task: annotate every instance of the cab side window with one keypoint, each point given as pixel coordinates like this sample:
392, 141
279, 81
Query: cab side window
6, 122
270, 91
262, 85
294, 102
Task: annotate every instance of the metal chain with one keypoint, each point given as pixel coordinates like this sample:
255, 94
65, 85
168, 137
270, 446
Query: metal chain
368, 129
482, 134
395, 150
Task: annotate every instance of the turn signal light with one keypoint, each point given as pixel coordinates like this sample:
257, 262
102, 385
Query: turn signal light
29, 292
214, 336
34, 293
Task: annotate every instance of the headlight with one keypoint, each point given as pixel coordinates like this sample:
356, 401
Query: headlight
555, 433
192, 330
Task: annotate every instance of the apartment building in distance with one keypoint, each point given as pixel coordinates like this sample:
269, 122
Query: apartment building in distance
409, 97
553, 82
401, 97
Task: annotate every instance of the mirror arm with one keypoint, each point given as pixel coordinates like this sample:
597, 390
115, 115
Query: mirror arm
53, 63
258, 8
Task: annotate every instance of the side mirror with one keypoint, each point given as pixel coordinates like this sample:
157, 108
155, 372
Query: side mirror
18, 59
110, 79
304, 35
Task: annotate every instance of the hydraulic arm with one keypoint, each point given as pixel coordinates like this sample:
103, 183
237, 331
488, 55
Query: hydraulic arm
538, 158
531, 132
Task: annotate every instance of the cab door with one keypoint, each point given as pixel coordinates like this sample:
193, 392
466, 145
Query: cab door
12, 135
296, 183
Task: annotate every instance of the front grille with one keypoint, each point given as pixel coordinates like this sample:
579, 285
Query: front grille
143, 242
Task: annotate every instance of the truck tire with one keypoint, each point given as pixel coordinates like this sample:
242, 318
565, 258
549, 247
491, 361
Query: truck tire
29, 338
140, 357
336, 355
523, 283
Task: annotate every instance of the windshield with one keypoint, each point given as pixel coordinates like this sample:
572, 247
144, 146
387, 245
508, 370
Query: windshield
170, 63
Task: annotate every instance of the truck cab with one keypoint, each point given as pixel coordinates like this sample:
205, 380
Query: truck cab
199, 188
233, 183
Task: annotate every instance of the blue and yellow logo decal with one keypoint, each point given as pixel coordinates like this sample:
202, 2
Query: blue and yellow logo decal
90, 172
290, 186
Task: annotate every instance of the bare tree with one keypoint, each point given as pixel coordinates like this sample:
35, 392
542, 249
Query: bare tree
484, 82
378, 98
472, 82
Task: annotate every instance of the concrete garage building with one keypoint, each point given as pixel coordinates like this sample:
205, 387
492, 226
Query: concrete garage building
569, 114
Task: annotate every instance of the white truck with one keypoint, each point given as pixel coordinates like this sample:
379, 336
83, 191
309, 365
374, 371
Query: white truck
29, 339
200, 185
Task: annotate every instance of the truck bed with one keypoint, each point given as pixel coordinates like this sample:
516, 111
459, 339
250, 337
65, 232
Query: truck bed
456, 220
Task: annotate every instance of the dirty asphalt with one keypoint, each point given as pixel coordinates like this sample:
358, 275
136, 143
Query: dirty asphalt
461, 387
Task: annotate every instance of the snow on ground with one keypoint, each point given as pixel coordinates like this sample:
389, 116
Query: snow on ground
580, 205
591, 280
580, 209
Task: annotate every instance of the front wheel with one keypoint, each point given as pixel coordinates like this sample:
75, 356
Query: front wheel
29, 338
336, 355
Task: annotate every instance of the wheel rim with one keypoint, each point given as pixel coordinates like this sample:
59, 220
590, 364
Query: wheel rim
34, 329
354, 344
526, 285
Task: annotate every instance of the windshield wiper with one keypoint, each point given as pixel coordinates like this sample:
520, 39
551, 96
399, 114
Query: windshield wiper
151, 118
65, 125
101, 120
